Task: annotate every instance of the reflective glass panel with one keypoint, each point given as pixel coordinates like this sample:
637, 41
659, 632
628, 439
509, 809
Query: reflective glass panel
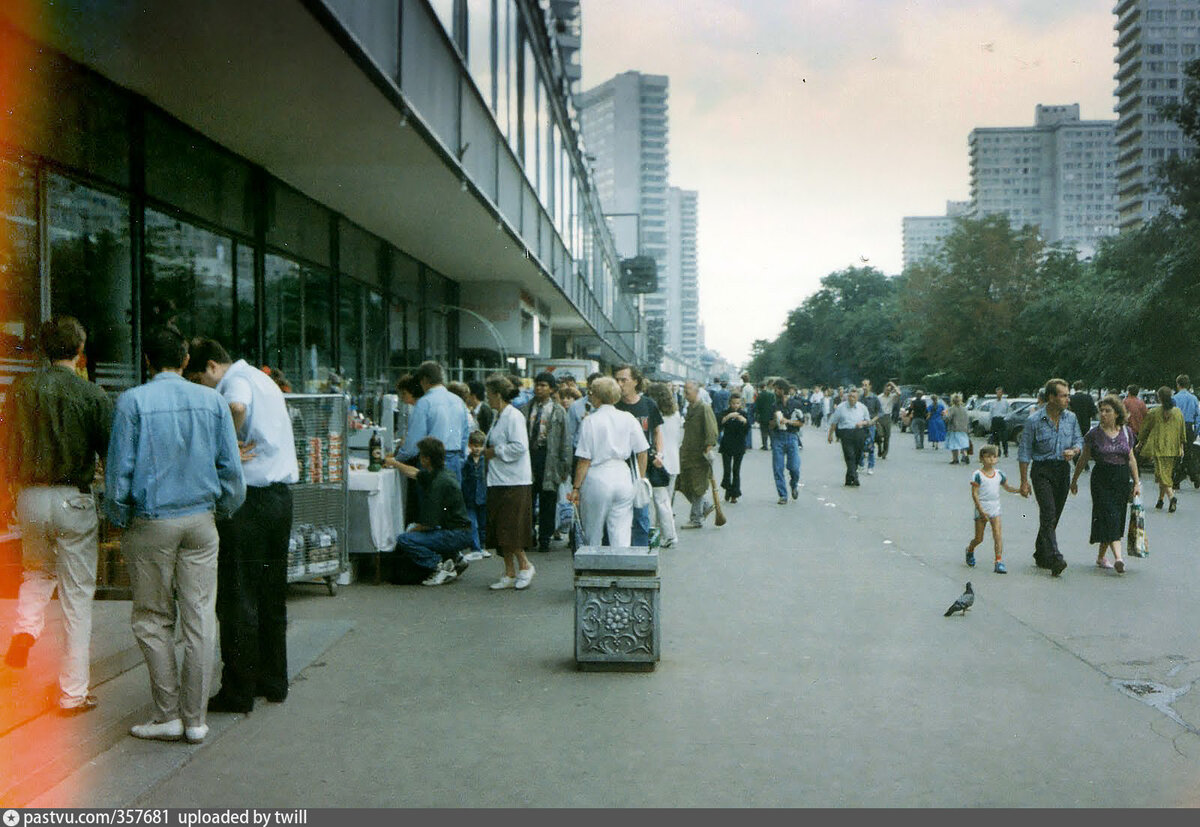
444, 10
479, 47
90, 276
350, 334
283, 316
318, 331
375, 354
190, 272
247, 324
528, 106
506, 69
20, 293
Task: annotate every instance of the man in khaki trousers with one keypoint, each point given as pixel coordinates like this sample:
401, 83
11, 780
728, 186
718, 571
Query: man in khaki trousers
172, 462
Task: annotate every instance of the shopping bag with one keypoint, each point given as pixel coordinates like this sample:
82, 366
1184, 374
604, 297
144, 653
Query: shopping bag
1138, 546
562, 521
575, 537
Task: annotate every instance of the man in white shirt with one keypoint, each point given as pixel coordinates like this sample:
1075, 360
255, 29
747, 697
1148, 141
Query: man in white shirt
850, 420
252, 563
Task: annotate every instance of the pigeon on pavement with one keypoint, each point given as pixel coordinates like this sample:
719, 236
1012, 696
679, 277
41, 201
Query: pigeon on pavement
963, 603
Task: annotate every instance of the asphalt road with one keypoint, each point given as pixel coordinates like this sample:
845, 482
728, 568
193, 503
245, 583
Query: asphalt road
805, 662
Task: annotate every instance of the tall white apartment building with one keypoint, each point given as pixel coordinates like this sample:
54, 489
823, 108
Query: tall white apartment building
683, 282
1155, 38
923, 234
1058, 175
624, 124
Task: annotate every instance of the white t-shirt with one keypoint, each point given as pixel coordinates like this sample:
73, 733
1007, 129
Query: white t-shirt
267, 425
989, 490
608, 434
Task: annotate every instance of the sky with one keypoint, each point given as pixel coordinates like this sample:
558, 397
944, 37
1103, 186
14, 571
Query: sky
810, 128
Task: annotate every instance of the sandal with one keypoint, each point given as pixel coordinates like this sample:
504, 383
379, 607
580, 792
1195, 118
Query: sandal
1104, 564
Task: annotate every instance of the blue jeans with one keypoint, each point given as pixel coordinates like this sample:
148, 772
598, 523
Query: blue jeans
640, 535
477, 514
454, 464
869, 449
918, 429
785, 450
429, 548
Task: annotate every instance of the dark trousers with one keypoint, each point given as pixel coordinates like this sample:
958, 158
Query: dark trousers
999, 433
1051, 482
764, 428
252, 595
545, 503
1189, 467
731, 476
883, 435
852, 450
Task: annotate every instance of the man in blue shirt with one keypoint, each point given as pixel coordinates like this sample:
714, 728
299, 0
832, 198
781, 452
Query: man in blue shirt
1188, 405
172, 462
1050, 442
439, 414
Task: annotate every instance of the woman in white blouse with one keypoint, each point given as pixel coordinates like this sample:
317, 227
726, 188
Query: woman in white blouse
603, 482
509, 485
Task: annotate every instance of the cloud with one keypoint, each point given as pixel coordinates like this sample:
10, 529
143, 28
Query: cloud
811, 128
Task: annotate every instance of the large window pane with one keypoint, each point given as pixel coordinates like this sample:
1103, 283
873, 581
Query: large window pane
318, 330
20, 294
90, 276
479, 47
350, 327
375, 354
444, 10
247, 322
190, 272
284, 315
528, 106
297, 225
546, 144
506, 69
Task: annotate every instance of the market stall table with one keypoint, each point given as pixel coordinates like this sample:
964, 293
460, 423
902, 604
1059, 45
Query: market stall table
376, 512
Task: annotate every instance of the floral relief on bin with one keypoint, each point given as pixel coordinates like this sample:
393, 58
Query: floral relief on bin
617, 621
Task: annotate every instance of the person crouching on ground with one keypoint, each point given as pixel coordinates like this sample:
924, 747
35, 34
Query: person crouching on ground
430, 552
985, 493
695, 454
603, 485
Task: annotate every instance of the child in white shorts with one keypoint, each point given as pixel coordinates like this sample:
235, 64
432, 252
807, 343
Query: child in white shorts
985, 493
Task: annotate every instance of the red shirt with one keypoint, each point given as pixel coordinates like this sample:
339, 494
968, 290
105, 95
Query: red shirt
1136, 409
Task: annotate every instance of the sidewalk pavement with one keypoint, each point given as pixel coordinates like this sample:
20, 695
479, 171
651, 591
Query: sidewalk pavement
806, 662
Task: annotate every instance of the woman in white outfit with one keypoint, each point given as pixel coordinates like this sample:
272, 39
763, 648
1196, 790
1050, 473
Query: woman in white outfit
672, 432
603, 487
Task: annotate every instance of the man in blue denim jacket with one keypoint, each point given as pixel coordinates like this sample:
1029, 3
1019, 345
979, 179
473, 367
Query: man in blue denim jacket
172, 462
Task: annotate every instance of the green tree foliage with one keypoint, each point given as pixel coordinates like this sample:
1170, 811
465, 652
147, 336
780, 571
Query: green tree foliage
998, 306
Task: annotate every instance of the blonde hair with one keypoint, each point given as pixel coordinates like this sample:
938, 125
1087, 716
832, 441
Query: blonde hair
956, 399
605, 389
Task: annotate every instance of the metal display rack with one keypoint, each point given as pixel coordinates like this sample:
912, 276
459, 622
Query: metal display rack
317, 551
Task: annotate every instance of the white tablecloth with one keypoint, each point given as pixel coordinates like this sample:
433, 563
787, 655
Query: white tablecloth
385, 505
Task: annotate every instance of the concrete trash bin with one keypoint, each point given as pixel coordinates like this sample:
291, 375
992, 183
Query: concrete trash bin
617, 608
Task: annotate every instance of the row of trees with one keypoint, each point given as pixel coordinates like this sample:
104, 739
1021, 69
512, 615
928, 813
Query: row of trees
999, 306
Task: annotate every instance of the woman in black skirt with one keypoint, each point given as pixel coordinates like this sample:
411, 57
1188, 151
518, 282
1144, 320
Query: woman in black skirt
1111, 444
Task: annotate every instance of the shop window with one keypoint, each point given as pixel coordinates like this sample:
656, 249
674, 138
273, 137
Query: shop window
350, 328
247, 320
318, 331
87, 125
90, 276
283, 317
358, 254
190, 273
375, 350
20, 293
188, 171
403, 354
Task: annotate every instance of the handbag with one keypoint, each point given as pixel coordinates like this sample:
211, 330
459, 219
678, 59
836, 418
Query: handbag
643, 494
1138, 545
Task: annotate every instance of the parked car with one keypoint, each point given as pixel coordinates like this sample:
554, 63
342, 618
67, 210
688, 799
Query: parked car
981, 418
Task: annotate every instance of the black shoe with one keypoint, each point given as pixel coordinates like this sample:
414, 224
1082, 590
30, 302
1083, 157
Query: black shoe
795, 491
18, 650
1171, 508
1040, 562
1058, 566
460, 562
1158, 504
87, 705
272, 697
223, 703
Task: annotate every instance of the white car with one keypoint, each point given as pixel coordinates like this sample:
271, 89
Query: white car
981, 418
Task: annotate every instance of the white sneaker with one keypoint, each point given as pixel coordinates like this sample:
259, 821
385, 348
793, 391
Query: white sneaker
484, 554
195, 734
505, 582
166, 731
442, 574
667, 543
524, 577
871, 471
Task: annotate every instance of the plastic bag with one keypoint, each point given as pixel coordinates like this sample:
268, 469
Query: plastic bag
1138, 545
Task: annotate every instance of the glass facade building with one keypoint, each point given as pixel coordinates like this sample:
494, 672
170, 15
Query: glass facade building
338, 189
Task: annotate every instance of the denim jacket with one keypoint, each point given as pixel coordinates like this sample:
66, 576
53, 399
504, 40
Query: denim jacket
474, 482
173, 453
